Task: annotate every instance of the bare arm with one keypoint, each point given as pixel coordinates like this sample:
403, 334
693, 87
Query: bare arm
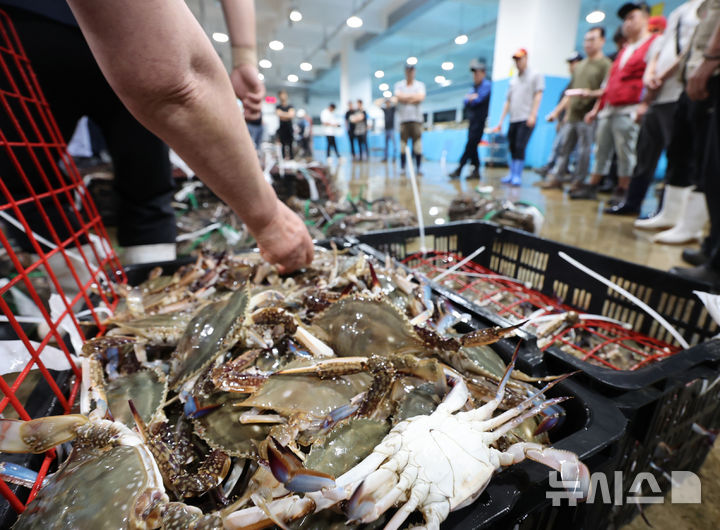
697, 82
162, 66
505, 110
537, 98
563, 105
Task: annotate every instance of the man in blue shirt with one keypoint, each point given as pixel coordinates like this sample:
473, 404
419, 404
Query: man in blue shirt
476, 106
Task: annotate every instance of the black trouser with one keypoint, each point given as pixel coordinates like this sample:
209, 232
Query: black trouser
710, 170
654, 137
362, 145
470, 154
351, 135
686, 150
331, 145
74, 87
518, 138
286, 141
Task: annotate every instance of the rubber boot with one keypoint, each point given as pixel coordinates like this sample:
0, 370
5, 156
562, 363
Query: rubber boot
690, 224
149, 253
673, 202
418, 159
507, 179
517, 173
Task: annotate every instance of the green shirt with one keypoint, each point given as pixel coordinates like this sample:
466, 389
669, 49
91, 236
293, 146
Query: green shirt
587, 74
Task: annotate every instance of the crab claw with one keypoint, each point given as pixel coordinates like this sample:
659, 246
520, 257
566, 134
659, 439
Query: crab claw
548, 423
39, 435
482, 337
287, 469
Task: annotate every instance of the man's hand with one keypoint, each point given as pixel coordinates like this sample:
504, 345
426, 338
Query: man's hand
697, 83
531, 121
552, 116
590, 116
249, 89
640, 112
496, 129
285, 241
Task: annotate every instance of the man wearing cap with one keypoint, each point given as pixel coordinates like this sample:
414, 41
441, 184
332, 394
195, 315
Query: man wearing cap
522, 103
579, 98
616, 110
409, 93
658, 110
477, 103
562, 126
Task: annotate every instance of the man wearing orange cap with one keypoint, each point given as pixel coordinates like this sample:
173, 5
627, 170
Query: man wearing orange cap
522, 103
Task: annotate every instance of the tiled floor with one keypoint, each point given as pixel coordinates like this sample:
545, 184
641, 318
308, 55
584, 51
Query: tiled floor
579, 223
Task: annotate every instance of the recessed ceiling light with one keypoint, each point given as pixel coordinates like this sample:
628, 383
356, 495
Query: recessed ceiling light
265, 63
461, 39
292, 78
276, 45
412, 61
387, 94
440, 79
354, 21
439, 221
379, 74
295, 15
261, 77
595, 16
447, 65
305, 67
384, 86
220, 37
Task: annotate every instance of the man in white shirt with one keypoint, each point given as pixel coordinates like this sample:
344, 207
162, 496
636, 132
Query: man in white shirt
523, 102
330, 124
409, 94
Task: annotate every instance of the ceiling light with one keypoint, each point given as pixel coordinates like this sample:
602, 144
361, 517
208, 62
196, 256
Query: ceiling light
447, 82
295, 15
292, 78
305, 67
261, 77
595, 16
387, 94
440, 79
354, 21
447, 65
439, 221
384, 86
379, 74
276, 45
434, 210
220, 37
264, 63
412, 61
461, 39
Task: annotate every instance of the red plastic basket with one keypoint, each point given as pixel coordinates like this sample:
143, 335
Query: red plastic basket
30, 143
514, 301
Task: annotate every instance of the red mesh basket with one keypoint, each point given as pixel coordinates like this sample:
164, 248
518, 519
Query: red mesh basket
513, 300
72, 257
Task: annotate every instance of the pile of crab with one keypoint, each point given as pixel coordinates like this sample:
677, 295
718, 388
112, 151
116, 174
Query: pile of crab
227, 396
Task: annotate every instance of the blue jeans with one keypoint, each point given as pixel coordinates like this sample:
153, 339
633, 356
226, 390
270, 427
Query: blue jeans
256, 134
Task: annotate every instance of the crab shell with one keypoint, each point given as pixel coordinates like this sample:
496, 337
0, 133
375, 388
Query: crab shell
101, 487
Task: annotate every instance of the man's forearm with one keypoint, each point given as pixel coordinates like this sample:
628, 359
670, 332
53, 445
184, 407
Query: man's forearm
159, 61
536, 104
240, 20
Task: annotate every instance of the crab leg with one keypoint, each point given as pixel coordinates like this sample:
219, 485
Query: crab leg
288, 469
482, 337
39, 435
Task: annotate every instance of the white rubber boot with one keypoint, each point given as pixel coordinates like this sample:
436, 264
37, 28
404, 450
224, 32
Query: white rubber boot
690, 226
674, 200
149, 253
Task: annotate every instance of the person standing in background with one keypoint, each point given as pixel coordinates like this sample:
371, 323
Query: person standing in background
587, 78
331, 125
616, 111
286, 114
350, 128
388, 108
522, 103
359, 118
304, 137
409, 94
477, 104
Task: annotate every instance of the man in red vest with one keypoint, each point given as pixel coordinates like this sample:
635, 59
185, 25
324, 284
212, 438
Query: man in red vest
616, 110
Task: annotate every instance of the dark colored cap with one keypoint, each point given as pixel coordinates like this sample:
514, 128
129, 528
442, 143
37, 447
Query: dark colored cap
627, 7
476, 64
574, 57
520, 52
